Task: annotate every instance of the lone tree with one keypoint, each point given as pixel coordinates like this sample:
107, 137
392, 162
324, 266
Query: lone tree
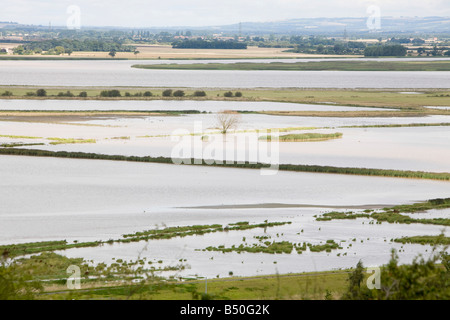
227, 120
112, 53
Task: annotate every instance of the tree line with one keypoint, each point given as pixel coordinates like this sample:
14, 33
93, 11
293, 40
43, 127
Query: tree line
383, 51
203, 44
69, 45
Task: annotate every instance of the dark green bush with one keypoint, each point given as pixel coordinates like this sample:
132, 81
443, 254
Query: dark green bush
66, 94
110, 93
41, 93
179, 93
199, 94
7, 93
420, 280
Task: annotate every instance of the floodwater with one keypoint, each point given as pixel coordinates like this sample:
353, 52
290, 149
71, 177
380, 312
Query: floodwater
119, 73
84, 200
406, 148
44, 199
169, 105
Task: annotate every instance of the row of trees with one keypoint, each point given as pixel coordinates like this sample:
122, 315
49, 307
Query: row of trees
60, 46
203, 44
43, 93
383, 51
327, 46
116, 93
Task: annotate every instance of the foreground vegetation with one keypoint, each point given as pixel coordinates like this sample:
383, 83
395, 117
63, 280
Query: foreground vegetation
44, 277
37, 272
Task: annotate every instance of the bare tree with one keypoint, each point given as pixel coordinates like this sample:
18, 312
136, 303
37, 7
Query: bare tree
227, 120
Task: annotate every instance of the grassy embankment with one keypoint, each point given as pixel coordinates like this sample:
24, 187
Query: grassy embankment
304, 137
424, 240
394, 214
53, 141
283, 167
380, 98
311, 66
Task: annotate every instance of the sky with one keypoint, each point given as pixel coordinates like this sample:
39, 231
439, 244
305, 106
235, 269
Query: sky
160, 13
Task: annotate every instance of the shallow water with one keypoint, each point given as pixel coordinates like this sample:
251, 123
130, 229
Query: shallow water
87, 200
169, 105
120, 73
372, 246
408, 148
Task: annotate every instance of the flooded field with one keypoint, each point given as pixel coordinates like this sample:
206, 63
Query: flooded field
120, 73
87, 200
402, 148
168, 105
47, 199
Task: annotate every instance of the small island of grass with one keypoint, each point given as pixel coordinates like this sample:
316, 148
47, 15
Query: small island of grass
303, 137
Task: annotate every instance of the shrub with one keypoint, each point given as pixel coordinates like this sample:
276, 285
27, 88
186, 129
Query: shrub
178, 93
66, 94
30, 94
41, 93
167, 93
82, 94
110, 93
7, 93
17, 286
228, 94
148, 94
238, 94
199, 94
421, 280
127, 94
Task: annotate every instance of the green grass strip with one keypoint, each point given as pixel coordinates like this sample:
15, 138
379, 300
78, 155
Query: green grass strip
303, 137
311, 66
432, 240
283, 167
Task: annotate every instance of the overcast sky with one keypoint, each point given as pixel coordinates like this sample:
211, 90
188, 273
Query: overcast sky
154, 13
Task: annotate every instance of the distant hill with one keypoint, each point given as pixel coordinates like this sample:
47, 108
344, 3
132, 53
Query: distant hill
309, 26
338, 25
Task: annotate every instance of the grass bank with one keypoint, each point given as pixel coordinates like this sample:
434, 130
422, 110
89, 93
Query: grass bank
304, 137
393, 214
380, 98
359, 114
311, 66
283, 167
